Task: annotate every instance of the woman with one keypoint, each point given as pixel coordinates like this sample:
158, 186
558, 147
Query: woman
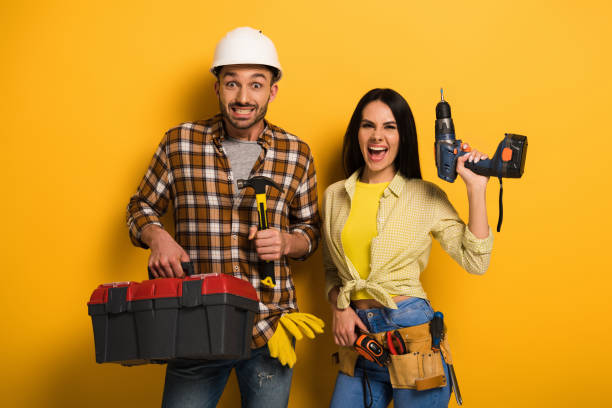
377, 227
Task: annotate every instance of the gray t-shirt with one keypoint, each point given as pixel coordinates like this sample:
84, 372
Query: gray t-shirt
242, 155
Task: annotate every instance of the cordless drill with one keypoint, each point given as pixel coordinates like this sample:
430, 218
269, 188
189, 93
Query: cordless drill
507, 162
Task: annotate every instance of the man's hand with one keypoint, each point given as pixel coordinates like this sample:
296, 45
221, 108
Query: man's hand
271, 244
166, 255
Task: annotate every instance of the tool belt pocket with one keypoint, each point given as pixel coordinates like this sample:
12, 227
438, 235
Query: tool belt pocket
404, 370
347, 359
420, 371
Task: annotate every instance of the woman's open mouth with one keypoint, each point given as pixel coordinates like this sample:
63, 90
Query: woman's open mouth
377, 153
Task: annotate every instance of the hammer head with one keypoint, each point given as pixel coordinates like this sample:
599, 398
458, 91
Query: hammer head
258, 183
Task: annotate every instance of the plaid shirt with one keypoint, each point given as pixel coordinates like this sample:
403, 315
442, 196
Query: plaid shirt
212, 220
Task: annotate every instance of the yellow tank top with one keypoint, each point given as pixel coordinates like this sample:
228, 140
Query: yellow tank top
360, 228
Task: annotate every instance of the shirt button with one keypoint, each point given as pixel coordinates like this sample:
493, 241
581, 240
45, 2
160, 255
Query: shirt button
229, 178
370, 314
234, 237
236, 268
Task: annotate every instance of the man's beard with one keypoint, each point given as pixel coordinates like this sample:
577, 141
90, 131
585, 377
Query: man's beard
242, 124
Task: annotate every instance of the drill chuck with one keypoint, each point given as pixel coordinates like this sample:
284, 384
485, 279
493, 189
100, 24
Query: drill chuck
443, 110
445, 129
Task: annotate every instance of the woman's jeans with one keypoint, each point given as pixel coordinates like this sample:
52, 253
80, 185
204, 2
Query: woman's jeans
263, 382
349, 391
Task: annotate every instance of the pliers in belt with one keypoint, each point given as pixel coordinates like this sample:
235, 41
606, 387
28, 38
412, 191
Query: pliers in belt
395, 343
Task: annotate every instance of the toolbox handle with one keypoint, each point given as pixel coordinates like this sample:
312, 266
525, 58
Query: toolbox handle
187, 268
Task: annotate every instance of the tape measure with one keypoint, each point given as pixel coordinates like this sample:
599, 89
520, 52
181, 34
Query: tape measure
372, 350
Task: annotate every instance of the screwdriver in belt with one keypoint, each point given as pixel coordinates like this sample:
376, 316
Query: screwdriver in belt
436, 326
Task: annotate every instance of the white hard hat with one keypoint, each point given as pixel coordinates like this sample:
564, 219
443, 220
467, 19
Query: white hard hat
245, 45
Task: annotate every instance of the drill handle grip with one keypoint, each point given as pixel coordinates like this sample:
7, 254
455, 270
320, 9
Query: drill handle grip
484, 167
447, 155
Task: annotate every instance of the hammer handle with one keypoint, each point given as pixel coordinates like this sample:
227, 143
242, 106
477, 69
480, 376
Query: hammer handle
267, 273
261, 213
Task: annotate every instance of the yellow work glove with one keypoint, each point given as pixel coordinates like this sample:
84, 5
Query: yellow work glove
292, 325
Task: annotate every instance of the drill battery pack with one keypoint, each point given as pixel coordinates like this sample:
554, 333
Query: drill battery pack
509, 159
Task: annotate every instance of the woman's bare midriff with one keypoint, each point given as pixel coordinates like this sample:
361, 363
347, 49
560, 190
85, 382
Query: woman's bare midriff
371, 303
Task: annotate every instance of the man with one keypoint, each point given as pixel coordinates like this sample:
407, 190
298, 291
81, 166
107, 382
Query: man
196, 167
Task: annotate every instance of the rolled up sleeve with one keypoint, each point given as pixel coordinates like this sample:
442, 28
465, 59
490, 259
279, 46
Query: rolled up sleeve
331, 271
152, 196
303, 210
472, 253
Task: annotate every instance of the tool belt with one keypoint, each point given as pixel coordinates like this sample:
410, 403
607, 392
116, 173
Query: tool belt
419, 368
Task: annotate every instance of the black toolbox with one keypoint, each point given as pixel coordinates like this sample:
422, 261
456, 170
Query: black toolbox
200, 317
114, 328
155, 309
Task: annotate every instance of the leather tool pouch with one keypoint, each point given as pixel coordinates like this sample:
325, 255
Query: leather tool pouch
347, 358
420, 368
420, 371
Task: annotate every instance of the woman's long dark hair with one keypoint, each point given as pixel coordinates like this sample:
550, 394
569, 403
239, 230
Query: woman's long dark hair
407, 159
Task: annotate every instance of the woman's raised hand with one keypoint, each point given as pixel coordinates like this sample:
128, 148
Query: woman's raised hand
471, 179
476, 188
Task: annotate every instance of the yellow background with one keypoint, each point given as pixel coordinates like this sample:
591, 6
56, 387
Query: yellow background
89, 87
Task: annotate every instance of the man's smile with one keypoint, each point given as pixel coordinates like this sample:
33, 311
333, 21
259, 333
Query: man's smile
242, 111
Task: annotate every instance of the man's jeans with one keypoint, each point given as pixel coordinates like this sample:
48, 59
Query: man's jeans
263, 382
349, 391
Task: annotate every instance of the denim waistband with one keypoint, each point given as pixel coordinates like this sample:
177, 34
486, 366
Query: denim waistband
409, 312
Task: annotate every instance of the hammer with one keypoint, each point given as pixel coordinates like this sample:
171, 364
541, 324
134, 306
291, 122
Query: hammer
259, 184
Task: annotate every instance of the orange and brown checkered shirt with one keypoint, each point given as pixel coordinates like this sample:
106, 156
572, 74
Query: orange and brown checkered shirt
212, 220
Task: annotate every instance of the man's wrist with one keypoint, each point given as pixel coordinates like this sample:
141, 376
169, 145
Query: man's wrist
288, 242
149, 232
295, 244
